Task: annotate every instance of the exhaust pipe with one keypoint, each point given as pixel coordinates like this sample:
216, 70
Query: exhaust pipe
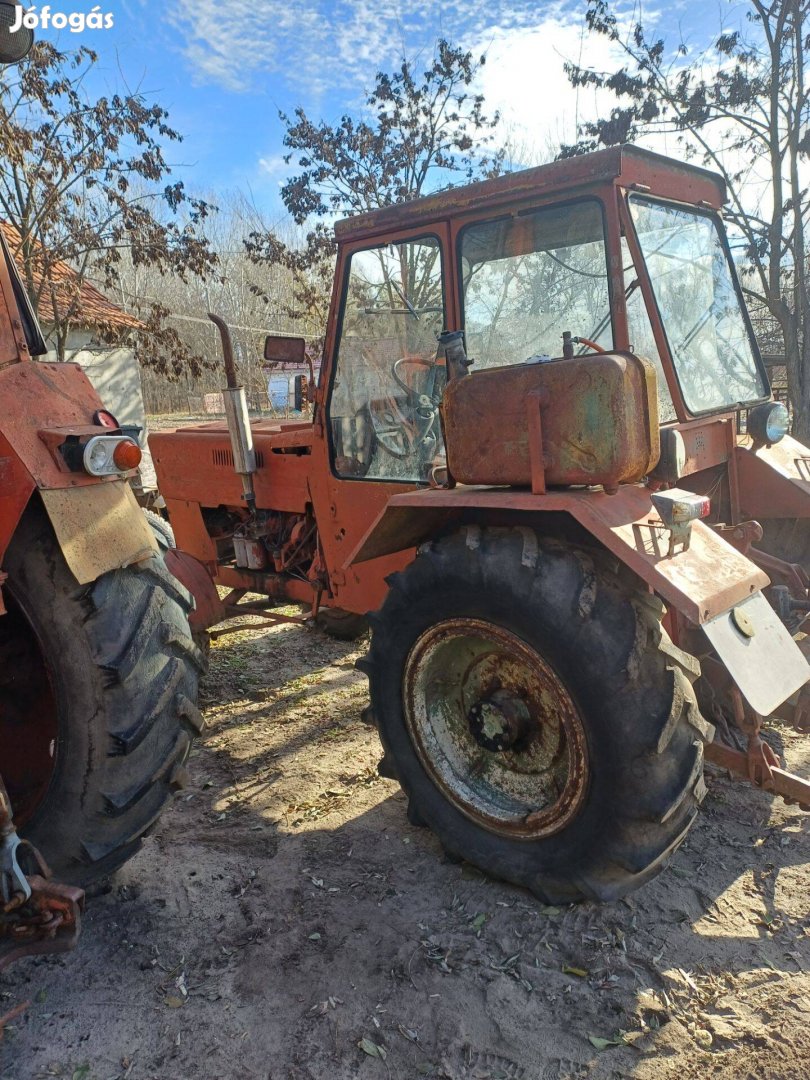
236, 416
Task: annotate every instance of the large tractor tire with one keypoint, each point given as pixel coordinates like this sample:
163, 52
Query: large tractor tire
536, 713
164, 534
98, 685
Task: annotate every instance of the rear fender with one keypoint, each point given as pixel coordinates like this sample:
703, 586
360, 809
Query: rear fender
701, 583
774, 481
704, 583
98, 524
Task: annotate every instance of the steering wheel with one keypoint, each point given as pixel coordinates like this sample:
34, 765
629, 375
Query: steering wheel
398, 434
431, 367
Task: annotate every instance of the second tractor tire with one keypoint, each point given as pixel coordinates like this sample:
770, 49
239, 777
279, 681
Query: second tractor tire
124, 672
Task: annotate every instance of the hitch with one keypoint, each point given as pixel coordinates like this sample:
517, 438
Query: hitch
756, 766
758, 763
37, 915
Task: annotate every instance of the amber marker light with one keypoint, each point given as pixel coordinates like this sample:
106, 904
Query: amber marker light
127, 455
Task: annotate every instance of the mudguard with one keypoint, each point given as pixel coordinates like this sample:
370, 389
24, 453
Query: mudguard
703, 583
98, 523
774, 481
99, 528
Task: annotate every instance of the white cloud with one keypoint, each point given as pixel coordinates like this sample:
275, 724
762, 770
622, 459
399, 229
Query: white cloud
332, 50
328, 51
321, 45
524, 79
274, 166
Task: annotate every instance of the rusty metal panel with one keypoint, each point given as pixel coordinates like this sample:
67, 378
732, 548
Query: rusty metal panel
774, 481
190, 531
99, 528
46, 397
16, 487
598, 419
701, 582
195, 464
706, 443
670, 178
626, 165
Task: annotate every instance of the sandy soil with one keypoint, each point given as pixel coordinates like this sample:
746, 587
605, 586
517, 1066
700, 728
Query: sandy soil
286, 922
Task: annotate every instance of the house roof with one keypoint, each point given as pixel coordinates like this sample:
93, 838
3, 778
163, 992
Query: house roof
87, 306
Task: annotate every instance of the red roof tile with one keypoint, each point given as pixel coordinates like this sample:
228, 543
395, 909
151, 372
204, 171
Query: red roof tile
92, 309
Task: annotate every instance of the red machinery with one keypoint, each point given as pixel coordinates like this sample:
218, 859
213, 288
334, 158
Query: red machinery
98, 668
554, 542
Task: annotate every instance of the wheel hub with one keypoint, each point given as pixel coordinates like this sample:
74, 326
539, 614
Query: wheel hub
495, 728
500, 721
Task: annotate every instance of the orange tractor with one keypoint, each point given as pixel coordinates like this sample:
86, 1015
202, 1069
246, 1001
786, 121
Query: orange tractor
98, 668
578, 551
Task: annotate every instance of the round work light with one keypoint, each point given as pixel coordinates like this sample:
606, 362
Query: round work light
768, 423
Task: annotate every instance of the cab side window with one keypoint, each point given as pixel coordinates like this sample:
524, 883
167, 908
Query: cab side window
384, 404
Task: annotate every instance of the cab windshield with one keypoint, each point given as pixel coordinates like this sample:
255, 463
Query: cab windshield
700, 306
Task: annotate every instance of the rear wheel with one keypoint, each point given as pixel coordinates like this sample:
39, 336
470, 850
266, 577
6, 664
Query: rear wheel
97, 702
536, 713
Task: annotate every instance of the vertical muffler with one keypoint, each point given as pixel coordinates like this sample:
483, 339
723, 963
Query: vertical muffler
236, 416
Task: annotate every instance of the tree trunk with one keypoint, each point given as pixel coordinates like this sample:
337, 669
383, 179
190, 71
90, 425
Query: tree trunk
801, 420
798, 366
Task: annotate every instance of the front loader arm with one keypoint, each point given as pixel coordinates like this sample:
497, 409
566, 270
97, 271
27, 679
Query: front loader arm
705, 583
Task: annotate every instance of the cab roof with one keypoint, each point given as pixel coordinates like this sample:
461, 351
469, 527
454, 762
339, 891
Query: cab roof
626, 166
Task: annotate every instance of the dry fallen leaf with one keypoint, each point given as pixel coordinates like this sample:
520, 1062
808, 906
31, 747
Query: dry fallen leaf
372, 1049
603, 1044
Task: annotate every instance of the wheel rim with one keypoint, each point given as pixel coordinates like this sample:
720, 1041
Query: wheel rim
28, 715
495, 728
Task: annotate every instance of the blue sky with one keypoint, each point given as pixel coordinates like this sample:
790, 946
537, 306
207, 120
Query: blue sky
224, 68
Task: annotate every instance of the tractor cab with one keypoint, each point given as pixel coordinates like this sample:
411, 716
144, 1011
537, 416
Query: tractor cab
619, 252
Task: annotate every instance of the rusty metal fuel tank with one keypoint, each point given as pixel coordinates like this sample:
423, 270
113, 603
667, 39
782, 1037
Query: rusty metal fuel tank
589, 419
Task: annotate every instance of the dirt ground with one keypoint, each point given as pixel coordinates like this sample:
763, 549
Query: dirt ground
285, 922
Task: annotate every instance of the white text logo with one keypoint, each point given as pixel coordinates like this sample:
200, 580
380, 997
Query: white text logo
75, 21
